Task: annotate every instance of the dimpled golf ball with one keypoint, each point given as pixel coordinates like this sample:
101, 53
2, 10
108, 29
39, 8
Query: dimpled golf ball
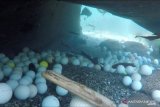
156, 95
61, 91
31, 74
42, 88
22, 92
50, 101
5, 93
1, 75
127, 80
7, 70
33, 90
40, 80
136, 85
15, 76
44, 64
11, 64
13, 84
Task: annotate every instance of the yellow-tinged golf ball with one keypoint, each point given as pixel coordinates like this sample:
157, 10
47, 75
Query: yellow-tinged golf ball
44, 64
11, 64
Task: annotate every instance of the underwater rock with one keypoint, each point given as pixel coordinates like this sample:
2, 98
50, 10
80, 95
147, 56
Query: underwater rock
94, 60
86, 12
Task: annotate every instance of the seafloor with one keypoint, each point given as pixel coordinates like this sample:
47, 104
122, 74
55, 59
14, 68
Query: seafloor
106, 83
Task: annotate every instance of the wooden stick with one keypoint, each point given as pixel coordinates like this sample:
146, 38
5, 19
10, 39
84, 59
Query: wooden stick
78, 89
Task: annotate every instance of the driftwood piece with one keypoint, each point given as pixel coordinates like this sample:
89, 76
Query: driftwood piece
78, 89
